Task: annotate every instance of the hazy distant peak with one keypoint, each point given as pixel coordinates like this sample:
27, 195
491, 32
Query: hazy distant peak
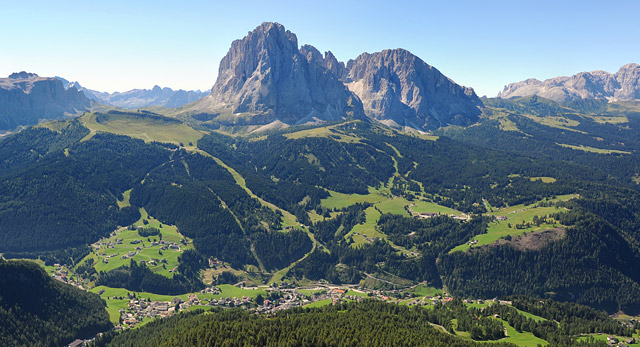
623, 85
22, 75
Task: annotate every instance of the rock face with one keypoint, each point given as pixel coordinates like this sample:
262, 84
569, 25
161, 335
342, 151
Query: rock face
135, 98
26, 98
265, 78
401, 90
623, 85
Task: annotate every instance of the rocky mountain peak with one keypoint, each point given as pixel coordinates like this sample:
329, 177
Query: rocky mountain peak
265, 77
401, 90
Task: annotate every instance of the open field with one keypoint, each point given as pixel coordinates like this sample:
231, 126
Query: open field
515, 215
593, 149
130, 245
531, 316
610, 119
145, 128
543, 179
523, 339
319, 303
341, 200
324, 132
422, 290
311, 291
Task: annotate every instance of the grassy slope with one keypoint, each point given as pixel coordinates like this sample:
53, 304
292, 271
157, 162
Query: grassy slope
148, 252
593, 149
515, 214
142, 128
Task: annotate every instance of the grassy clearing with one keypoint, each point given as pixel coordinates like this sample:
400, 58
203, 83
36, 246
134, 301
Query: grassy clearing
383, 202
420, 206
531, 316
610, 120
310, 292
366, 233
515, 215
147, 129
508, 125
478, 305
125, 199
557, 122
341, 200
109, 248
351, 292
422, 290
593, 149
319, 303
523, 339
543, 179
324, 132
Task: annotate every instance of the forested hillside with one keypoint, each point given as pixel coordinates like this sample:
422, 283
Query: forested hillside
36, 310
351, 202
376, 323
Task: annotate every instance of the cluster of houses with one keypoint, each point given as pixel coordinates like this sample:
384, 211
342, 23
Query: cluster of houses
613, 341
61, 274
139, 309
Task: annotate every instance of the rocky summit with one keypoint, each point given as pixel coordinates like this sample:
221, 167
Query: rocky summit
623, 85
26, 98
265, 78
400, 90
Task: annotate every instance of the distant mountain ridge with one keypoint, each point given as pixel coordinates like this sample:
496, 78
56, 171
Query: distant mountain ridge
136, 98
624, 85
265, 78
26, 98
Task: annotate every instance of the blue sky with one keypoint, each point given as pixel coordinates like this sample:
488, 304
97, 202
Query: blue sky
121, 45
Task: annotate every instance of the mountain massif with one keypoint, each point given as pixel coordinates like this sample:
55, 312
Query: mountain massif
266, 78
624, 85
26, 98
137, 98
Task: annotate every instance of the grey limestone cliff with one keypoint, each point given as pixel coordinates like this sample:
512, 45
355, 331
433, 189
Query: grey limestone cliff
26, 98
400, 90
265, 78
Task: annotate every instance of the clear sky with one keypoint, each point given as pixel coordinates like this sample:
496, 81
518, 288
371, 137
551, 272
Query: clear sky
121, 45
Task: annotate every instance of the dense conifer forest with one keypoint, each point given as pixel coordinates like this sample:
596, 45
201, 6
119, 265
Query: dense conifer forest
36, 310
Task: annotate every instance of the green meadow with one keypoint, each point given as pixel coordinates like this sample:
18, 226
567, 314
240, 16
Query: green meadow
515, 215
147, 252
141, 127
593, 149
